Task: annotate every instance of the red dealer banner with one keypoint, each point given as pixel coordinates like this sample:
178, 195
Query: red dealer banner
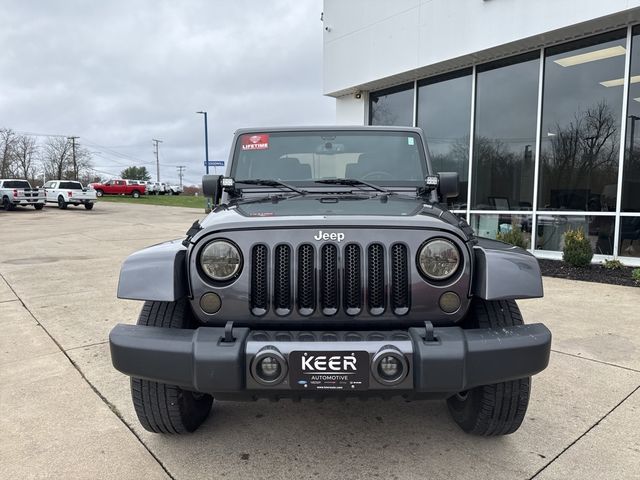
255, 142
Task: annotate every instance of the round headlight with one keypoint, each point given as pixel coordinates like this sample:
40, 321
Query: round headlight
439, 259
220, 260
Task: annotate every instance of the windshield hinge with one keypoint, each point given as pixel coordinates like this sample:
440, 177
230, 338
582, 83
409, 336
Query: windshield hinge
195, 228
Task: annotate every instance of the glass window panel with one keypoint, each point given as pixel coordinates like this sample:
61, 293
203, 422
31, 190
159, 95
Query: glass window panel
551, 230
581, 112
631, 169
444, 112
505, 134
392, 106
629, 237
488, 225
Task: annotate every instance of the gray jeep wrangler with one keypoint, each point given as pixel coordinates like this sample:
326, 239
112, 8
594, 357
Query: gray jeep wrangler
330, 267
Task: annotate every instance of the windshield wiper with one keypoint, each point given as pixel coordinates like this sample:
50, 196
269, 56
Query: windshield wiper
352, 182
272, 183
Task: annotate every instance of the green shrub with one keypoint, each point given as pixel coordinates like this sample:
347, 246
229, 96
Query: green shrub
513, 237
577, 249
635, 274
612, 264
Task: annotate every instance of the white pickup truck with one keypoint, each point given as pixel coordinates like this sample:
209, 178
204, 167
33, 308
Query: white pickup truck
67, 192
174, 189
19, 193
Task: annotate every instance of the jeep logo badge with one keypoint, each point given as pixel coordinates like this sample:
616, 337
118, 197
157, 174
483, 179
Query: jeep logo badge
337, 236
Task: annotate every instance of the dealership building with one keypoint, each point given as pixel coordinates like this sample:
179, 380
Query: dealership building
536, 105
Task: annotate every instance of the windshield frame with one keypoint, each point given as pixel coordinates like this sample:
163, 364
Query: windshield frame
425, 161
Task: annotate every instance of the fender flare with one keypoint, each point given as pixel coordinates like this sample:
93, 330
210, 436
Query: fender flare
505, 272
156, 273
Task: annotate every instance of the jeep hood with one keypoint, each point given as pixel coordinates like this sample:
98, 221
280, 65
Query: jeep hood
315, 211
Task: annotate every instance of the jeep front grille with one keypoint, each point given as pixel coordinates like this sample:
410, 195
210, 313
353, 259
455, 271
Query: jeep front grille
325, 279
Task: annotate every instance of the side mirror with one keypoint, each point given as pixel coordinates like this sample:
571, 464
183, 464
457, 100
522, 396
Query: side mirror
211, 187
449, 185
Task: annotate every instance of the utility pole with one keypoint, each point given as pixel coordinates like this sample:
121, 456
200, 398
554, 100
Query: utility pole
73, 156
155, 143
181, 169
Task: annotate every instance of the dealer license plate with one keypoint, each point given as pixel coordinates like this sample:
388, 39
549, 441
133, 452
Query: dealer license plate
329, 371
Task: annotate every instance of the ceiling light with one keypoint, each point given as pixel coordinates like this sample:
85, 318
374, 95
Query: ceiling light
619, 81
591, 56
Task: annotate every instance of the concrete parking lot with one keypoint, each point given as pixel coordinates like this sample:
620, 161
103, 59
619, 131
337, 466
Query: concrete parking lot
66, 413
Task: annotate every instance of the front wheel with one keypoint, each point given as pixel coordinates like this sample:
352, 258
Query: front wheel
99, 193
163, 408
497, 409
7, 205
135, 194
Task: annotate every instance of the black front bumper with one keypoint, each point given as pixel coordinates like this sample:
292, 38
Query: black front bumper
453, 361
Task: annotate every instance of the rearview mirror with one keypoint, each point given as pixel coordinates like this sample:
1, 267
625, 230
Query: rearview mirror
211, 187
449, 185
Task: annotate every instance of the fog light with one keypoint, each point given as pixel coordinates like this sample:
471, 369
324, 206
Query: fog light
210, 303
389, 366
449, 302
269, 366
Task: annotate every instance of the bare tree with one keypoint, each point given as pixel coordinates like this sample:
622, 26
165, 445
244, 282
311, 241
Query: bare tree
56, 157
582, 156
80, 163
24, 152
7, 143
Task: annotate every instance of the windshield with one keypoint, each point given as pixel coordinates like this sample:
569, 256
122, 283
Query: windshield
392, 158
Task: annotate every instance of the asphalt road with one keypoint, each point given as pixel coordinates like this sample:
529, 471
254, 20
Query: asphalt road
66, 413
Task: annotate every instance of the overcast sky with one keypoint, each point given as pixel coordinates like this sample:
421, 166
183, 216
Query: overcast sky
121, 72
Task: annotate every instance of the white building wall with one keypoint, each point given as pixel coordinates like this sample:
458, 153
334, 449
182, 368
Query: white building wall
369, 40
351, 110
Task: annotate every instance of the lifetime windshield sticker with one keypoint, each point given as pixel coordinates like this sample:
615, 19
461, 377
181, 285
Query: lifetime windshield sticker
255, 142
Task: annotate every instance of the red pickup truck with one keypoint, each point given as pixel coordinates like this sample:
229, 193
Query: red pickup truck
118, 187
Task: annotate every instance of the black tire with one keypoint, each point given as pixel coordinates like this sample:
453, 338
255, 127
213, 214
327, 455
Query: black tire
62, 205
7, 205
497, 409
165, 408
135, 194
39, 206
88, 206
99, 193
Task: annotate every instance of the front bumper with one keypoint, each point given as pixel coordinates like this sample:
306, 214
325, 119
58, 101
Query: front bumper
455, 360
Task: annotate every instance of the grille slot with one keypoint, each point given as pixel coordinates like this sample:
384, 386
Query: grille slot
282, 280
352, 280
399, 279
375, 278
306, 279
329, 295
259, 298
